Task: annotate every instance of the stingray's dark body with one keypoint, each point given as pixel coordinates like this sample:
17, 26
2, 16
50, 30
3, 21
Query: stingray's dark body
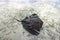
32, 24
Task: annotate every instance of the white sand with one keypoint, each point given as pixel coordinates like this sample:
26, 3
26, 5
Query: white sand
10, 29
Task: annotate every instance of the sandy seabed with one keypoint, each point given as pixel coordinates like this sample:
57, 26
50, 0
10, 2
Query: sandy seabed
10, 29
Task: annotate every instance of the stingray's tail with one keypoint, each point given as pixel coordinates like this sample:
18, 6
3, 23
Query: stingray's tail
18, 20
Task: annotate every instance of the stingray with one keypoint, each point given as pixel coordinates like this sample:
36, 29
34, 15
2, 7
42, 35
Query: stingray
32, 24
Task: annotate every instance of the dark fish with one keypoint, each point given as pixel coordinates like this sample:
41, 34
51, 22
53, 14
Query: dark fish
32, 24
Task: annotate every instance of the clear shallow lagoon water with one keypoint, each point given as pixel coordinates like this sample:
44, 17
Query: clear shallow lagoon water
47, 10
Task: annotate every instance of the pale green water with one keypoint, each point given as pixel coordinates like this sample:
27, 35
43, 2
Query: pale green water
10, 29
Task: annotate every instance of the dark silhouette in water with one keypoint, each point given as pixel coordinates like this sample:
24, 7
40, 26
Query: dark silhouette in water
32, 24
